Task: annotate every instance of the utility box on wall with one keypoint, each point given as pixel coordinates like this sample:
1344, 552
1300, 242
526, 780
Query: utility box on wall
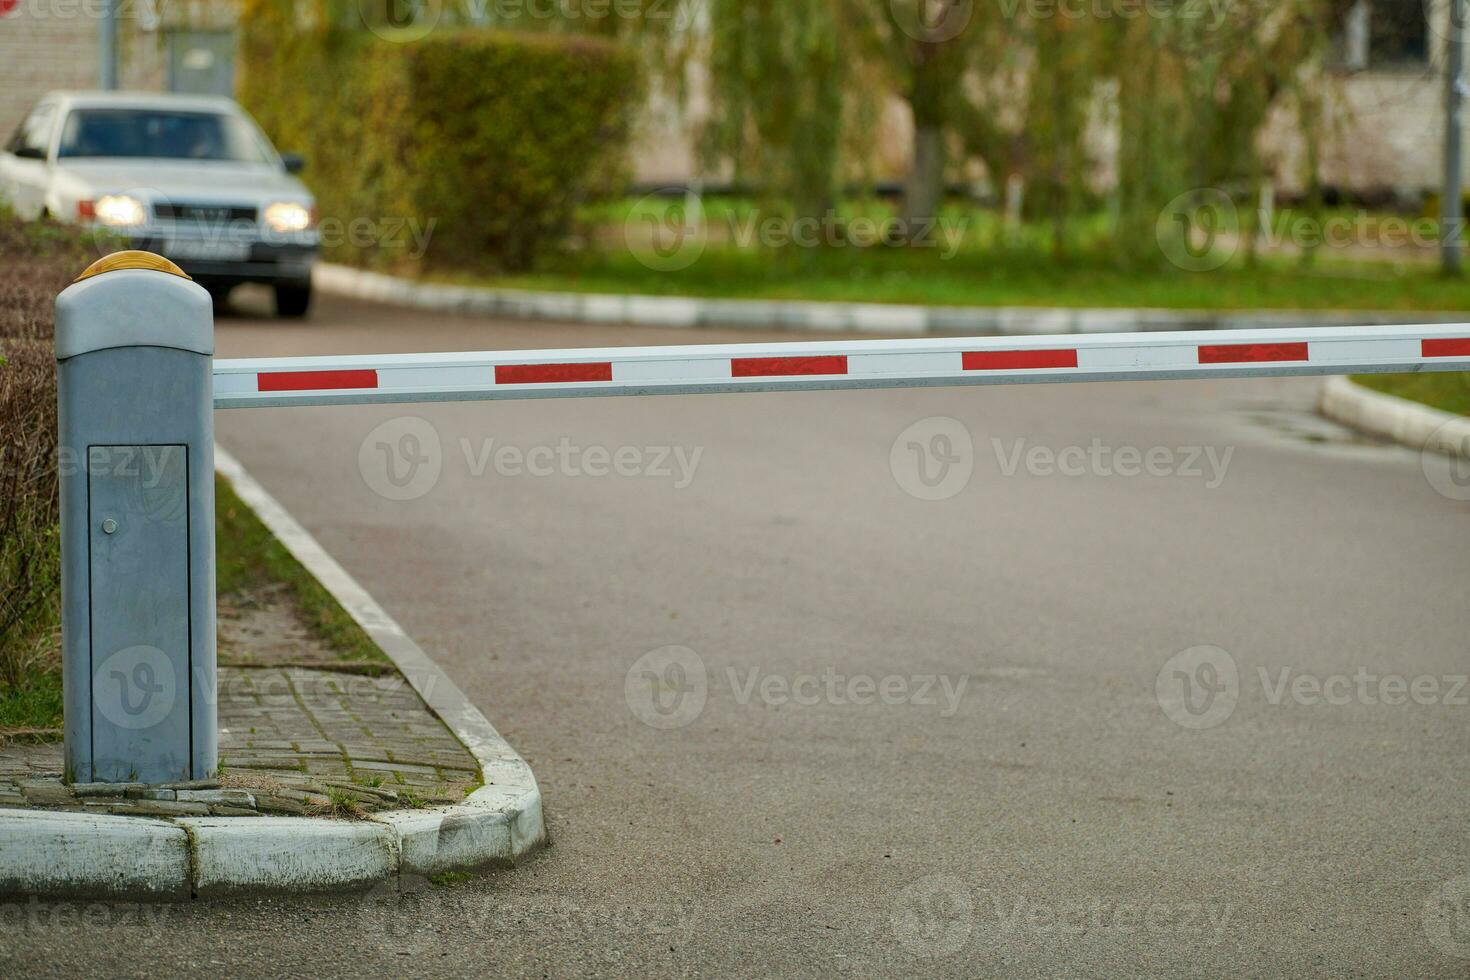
201, 62
134, 346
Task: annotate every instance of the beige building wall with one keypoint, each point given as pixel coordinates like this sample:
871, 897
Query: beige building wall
1384, 132
53, 44
44, 45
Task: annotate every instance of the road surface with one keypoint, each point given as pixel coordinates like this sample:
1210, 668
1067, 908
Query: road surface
1168, 683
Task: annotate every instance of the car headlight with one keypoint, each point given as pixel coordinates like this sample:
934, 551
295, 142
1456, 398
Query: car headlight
119, 210
288, 216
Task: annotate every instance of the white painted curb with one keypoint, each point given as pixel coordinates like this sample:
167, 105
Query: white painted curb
1410, 423
82, 855
499, 822
255, 854
879, 318
85, 855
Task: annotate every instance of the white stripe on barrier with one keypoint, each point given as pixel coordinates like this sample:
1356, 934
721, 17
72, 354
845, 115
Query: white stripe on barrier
691, 369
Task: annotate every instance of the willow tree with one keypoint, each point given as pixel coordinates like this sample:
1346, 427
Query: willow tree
944, 58
1186, 89
1059, 95
788, 78
930, 46
1194, 98
779, 77
795, 87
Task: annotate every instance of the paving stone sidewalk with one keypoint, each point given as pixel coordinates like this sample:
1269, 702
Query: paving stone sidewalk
293, 740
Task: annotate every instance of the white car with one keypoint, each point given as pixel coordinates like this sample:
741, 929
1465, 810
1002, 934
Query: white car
189, 177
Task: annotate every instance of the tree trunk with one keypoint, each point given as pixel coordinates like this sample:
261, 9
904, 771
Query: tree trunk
928, 99
925, 187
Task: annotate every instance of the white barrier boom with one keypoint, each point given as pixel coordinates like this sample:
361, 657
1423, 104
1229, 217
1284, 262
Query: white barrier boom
692, 369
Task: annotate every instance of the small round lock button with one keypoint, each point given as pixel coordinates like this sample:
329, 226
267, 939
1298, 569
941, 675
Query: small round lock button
109, 526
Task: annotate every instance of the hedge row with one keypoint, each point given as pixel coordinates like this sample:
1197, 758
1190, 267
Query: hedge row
39, 261
482, 141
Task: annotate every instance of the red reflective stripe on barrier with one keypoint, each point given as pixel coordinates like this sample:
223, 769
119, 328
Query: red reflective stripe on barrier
1244, 353
767, 367
1012, 360
315, 380
1449, 347
534, 374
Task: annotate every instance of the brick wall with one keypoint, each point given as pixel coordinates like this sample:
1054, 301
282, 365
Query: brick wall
44, 45
53, 44
1386, 133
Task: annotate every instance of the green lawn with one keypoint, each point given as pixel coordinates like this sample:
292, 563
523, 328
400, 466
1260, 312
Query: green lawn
1447, 390
902, 276
975, 261
32, 711
248, 557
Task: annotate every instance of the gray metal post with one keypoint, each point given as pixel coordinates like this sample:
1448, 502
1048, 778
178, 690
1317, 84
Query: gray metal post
134, 346
107, 46
1452, 207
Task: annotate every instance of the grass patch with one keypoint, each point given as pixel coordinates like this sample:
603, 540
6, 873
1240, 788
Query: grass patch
911, 276
444, 879
974, 261
1446, 390
341, 804
249, 557
32, 709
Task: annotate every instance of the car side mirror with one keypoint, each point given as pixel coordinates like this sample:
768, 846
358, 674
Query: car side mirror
293, 162
30, 153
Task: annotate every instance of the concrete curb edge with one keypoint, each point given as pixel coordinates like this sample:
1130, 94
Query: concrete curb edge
59, 854
813, 317
84, 855
499, 822
1414, 425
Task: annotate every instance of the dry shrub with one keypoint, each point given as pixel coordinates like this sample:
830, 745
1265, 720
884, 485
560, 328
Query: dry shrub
30, 561
36, 263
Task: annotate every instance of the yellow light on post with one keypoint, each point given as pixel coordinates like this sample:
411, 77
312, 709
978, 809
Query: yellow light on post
131, 259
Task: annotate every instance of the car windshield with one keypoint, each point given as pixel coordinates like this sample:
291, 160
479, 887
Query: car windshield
160, 134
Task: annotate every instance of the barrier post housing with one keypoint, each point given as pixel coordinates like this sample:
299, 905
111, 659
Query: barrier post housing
134, 347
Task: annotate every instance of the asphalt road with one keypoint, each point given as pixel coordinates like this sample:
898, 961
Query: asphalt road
935, 737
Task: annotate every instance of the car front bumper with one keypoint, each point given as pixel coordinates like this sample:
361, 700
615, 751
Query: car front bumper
262, 262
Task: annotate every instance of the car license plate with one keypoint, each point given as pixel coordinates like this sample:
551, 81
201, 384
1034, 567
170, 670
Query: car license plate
208, 251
